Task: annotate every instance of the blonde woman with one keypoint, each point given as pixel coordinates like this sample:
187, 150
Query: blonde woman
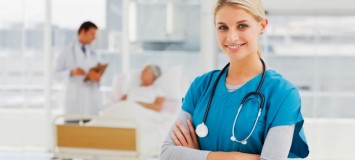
244, 111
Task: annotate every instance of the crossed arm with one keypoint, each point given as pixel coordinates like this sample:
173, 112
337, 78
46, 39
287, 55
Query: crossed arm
182, 143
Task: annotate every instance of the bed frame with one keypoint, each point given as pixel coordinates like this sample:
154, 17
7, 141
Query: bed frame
94, 142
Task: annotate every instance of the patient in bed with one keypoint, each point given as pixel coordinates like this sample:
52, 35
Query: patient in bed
147, 94
140, 103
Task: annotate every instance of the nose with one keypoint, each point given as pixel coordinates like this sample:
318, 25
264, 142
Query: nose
233, 36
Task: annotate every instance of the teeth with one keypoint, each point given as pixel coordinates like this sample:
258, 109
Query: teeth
234, 46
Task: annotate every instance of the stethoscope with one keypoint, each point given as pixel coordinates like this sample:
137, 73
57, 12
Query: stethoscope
202, 130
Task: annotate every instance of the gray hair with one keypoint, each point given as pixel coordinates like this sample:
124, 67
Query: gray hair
156, 70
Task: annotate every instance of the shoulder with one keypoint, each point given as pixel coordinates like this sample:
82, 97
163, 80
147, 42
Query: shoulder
197, 89
276, 83
205, 79
282, 94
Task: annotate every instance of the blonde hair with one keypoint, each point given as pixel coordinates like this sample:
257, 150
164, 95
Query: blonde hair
253, 7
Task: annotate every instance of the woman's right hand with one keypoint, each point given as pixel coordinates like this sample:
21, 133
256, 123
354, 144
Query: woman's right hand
185, 137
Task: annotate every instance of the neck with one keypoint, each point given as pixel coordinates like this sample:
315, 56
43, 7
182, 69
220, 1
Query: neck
241, 71
147, 84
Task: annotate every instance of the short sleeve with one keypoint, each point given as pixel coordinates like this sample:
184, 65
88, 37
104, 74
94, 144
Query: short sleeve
189, 101
288, 112
198, 87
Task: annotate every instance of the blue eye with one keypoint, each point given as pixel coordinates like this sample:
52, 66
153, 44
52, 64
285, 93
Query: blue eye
222, 28
242, 26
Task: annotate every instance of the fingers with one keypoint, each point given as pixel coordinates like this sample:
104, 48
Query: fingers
76, 72
185, 132
192, 131
80, 71
175, 140
185, 136
179, 135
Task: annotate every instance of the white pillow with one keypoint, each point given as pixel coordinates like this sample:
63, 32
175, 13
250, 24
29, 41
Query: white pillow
117, 88
170, 81
121, 84
133, 79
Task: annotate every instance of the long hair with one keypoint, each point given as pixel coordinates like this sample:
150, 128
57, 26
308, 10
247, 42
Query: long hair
253, 7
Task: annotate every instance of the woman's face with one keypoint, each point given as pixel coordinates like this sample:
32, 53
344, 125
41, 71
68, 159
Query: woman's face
147, 76
238, 32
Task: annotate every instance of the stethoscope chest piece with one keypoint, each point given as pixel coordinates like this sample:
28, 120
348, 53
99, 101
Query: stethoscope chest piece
202, 130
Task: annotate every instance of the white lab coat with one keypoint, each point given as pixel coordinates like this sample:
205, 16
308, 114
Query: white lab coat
80, 97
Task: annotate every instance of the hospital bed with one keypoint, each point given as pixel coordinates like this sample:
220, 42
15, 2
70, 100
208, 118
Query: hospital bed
126, 136
95, 142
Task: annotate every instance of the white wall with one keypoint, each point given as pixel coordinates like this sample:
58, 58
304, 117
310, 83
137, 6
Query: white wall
24, 129
330, 138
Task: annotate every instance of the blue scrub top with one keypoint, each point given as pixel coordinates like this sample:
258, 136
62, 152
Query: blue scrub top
282, 107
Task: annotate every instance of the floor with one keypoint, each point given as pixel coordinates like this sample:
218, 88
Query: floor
16, 155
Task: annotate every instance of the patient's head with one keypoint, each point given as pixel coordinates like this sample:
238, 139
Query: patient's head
149, 74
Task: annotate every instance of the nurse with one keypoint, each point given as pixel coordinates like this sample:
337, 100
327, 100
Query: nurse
72, 65
244, 111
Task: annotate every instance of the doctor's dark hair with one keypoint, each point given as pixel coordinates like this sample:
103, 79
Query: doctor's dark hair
86, 26
253, 7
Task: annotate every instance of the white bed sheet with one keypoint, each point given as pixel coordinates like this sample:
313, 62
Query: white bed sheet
152, 126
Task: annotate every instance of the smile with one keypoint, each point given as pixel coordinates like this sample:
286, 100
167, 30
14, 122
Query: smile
234, 46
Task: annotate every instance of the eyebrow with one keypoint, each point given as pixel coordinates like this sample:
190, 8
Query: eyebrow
236, 22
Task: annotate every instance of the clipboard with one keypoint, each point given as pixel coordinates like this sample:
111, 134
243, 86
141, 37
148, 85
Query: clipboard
100, 68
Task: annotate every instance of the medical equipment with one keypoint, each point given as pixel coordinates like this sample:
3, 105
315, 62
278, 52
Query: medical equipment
202, 130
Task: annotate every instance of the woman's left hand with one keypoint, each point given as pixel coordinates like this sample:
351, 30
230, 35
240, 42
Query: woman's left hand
185, 137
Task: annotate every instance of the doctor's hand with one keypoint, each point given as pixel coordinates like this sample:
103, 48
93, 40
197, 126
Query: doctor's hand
185, 137
94, 76
77, 72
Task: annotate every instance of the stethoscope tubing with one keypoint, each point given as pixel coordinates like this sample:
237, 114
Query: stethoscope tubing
202, 129
245, 97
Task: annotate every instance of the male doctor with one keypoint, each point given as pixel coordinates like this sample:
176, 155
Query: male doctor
72, 65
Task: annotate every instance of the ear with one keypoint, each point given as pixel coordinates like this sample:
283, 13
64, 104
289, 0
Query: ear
263, 25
